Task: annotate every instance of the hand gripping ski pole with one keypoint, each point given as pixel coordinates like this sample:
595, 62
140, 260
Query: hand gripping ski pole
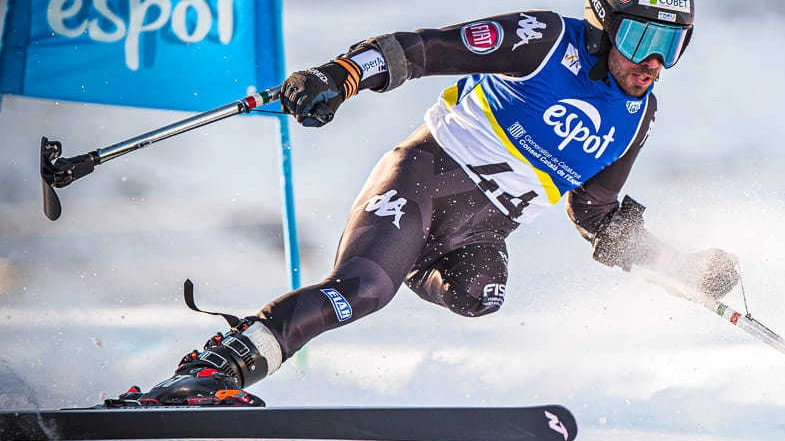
58, 172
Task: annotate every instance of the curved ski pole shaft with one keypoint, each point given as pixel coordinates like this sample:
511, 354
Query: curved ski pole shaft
244, 105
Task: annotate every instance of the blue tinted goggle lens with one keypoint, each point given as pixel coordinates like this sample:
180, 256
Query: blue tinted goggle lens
638, 41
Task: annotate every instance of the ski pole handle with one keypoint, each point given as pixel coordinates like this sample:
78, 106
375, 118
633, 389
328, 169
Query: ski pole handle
264, 97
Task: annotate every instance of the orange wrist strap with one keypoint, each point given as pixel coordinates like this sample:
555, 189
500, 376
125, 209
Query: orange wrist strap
352, 84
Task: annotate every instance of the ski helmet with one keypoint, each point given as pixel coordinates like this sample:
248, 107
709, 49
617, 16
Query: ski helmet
642, 28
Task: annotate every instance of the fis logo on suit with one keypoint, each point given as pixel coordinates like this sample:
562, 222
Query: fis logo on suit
568, 119
493, 293
343, 310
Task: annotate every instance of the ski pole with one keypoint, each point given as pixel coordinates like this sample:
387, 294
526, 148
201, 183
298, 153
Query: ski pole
58, 172
744, 322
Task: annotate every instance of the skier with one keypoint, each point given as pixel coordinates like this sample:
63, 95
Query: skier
552, 107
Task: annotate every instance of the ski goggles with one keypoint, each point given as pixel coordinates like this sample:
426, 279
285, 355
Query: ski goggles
638, 40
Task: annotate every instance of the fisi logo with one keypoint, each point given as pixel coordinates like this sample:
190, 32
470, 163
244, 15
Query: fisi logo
342, 308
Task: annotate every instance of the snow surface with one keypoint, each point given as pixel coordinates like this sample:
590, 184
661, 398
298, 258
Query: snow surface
91, 304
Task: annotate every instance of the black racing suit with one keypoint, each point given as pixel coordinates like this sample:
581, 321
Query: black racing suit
420, 218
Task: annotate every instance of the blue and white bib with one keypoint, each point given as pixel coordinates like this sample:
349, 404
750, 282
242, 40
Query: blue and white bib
526, 141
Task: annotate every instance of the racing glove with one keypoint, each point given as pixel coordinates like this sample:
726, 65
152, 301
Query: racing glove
314, 95
623, 241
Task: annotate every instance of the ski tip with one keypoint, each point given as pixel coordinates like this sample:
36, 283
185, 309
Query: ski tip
561, 421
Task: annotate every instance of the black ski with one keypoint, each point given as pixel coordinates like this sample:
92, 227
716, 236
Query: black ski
542, 423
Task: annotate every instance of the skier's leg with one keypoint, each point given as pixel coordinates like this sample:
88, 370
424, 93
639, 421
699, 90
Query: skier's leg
387, 227
469, 281
386, 230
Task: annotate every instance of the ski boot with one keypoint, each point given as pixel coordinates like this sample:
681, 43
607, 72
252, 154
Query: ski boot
215, 376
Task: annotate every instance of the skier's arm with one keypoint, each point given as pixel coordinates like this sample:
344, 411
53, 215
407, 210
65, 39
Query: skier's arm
512, 44
619, 238
591, 205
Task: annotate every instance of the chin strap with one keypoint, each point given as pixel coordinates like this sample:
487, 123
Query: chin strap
600, 70
598, 43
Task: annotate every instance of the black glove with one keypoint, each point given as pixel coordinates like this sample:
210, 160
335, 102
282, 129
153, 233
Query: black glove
621, 240
314, 95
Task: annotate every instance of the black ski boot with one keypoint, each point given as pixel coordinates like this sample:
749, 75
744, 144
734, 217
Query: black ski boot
215, 376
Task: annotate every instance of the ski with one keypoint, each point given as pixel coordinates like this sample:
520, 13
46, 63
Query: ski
541, 423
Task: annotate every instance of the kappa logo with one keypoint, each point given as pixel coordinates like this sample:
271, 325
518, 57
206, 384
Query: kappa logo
383, 205
343, 310
556, 425
572, 59
482, 37
528, 30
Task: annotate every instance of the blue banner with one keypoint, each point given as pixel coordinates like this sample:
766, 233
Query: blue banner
172, 54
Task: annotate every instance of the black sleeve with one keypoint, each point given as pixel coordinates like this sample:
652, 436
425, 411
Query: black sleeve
522, 41
589, 205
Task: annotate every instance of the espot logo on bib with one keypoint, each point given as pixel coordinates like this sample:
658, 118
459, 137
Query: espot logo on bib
569, 125
482, 37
